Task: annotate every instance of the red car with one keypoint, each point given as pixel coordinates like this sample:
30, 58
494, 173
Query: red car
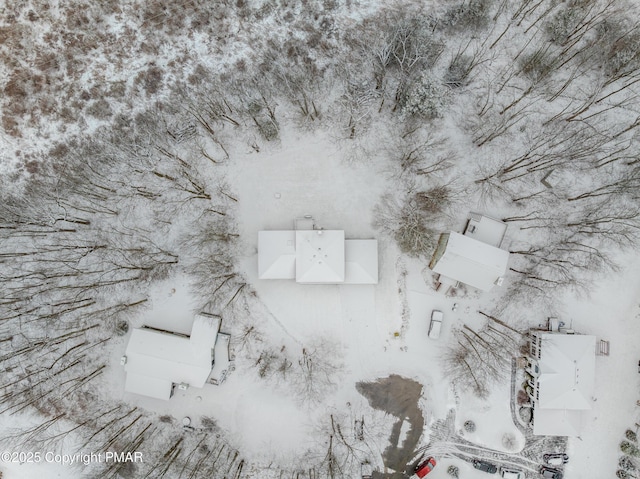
424, 468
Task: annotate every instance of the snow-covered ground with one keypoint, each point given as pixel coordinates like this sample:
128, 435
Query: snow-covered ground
374, 337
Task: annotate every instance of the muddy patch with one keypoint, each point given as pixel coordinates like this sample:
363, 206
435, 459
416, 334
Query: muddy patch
399, 397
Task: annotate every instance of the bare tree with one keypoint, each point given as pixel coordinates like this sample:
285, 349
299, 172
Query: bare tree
479, 358
319, 367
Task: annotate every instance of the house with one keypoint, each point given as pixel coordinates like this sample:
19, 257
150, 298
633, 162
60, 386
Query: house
473, 258
156, 360
562, 366
317, 256
320, 256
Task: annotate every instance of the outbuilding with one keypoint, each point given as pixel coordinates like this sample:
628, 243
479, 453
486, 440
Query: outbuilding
156, 361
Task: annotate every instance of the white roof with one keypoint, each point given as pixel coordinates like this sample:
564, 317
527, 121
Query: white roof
567, 371
148, 386
204, 331
163, 357
472, 262
361, 261
276, 254
221, 361
319, 256
565, 383
557, 422
486, 229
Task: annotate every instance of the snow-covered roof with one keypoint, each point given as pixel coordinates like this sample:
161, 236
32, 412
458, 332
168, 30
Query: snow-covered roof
567, 368
221, 363
163, 358
276, 254
565, 384
361, 261
486, 229
319, 256
471, 261
148, 386
557, 422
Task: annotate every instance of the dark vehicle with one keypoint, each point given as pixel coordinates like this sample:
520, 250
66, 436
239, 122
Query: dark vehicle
485, 466
556, 459
424, 468
550, 473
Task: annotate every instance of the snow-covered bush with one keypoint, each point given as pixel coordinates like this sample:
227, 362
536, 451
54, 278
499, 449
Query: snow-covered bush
100, 109
151, 80
509, 441
407, 224
122, 327
522, 397
434, 199
469, 426
471, 14
426, 98
623, 57
563, 24
453, 471
629, 449
631, 435
538, 64
413, 236
627, 463
458, 71
268, 128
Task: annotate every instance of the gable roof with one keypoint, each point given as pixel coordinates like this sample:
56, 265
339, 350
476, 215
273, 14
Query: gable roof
319, 256
163, 358
361, 261
471, 261
276, 254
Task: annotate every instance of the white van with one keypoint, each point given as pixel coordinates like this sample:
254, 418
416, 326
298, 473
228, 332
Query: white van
436, 324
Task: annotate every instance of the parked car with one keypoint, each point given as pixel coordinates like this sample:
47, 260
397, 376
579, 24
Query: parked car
424, 468
550, 473
510, 473
556, 459
485, 466
436, 324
